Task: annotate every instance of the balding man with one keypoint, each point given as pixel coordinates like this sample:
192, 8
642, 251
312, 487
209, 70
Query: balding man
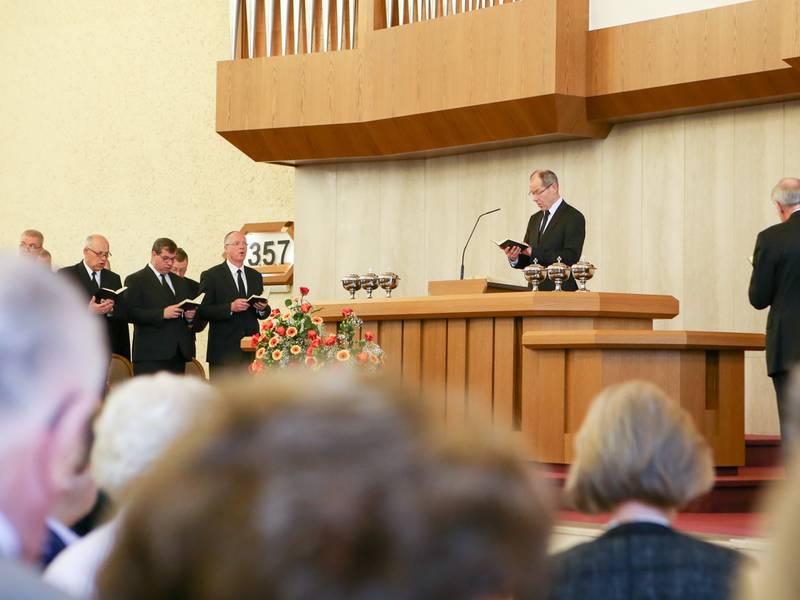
52, 371
92, 274
555, 230
31, 243
775, 282
227, 287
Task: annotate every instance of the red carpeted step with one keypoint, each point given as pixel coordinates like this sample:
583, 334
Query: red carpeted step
762, 450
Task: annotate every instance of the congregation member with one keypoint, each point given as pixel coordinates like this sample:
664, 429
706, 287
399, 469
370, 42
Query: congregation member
140, 419
556, 230
775, 282
161, 329
227, 287
52, 372
331, 487
639, 457
45, 258
179, 268
92, 274
31, 243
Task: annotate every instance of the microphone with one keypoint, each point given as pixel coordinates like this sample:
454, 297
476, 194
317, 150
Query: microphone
470, 237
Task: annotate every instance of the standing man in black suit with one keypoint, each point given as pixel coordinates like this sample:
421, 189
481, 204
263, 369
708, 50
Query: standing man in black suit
227, 286
92, 274
161, 329
557, 229
775, 282
179, 268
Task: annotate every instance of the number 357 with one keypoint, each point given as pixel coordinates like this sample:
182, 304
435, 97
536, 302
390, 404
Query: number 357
264, 253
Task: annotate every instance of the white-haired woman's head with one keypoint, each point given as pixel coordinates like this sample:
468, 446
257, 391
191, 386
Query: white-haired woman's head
139, 421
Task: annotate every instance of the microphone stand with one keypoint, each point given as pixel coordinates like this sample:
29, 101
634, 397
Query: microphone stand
470, 237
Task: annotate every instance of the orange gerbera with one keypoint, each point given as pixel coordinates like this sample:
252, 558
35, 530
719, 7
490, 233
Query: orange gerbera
291, 331
316, 320
295, 349
277, 355
343, 355
374, 359
273, 341
362, 357
260, 353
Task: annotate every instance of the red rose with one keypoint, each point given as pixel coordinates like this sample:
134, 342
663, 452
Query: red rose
311, 334
310, 351
330, 340
268, 325
275, 312
255, 339
347, 311
305, 307
369, 336
304, 291
280, 330
316, 343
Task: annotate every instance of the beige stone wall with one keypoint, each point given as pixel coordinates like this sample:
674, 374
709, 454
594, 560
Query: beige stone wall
673, 206
107, 125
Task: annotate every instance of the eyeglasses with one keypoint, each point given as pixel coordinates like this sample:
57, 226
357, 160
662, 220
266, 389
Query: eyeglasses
166, 258
236, 244
30, 246
99, 254
540, 191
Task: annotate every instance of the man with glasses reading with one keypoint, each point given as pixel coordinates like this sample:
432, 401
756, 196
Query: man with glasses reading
557, 229
161, 329
92, 274
31, 243
227, 287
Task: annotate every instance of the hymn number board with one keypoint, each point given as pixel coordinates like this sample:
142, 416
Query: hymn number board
270, 251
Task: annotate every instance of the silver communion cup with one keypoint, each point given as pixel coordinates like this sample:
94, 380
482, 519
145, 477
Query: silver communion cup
583, 271
535, 274
388, 281
558, 273
352, 283
369, 282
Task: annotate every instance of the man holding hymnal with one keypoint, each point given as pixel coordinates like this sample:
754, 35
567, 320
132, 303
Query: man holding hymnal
104, 289
557, 229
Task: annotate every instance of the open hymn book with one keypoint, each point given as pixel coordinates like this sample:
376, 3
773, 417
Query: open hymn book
192, 303
508, 243
107, 294
253, 299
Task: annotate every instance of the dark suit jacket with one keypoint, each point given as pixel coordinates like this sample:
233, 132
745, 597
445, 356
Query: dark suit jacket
644, 561
227, 329
117, 324
154, 337
775, 282
563, 237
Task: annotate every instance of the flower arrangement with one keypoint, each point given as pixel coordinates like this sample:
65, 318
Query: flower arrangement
298, 337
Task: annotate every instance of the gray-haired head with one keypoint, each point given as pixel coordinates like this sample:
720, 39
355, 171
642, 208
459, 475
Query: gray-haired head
787, 192
52, 352
548, 177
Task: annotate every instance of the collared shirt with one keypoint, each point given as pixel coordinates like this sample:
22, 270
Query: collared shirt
62, 531
655, 520
166, 276
233, 268
552, 210
10, 544
89, 272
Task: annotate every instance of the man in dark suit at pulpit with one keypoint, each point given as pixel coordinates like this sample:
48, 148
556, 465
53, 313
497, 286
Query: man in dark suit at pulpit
556, 230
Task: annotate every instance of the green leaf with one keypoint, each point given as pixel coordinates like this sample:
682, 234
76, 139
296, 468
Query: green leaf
287, 302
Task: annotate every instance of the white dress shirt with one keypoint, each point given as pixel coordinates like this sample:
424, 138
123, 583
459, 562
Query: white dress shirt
234, 269
552, 210
166, 276
89, 272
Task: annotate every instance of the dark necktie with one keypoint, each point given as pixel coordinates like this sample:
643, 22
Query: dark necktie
166, 285
95, 283
543, 225
240, 284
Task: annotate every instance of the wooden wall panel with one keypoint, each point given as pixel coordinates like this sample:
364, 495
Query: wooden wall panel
314, 269
622, 209
456, 396
441, 242
434, 363
412, 354
390, 338
663, 209
505, 367
708, 208
357, 215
